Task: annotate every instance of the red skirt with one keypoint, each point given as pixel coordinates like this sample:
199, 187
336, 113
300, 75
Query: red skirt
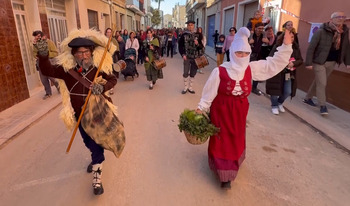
226, 150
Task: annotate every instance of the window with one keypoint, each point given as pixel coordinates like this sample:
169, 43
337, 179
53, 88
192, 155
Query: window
93, 19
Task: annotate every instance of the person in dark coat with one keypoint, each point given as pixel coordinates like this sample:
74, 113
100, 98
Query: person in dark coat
284, 84
268, 42
327, 48
121, 47
216, 38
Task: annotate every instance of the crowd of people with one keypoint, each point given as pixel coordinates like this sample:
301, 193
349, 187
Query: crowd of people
254, 54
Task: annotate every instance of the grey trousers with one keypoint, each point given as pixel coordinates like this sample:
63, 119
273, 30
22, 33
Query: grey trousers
190, 68
45, 80
319, 84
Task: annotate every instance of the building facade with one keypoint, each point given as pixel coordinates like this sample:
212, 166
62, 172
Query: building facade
168, 21
213, 20
179, 16
56, 18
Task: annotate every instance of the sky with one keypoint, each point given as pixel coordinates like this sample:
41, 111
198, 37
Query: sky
167, 5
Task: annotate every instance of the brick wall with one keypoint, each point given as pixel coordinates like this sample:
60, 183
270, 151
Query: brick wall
12, 77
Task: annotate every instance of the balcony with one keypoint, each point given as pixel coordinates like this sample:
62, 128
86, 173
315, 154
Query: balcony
188, 6
197, 3
192, 5
134, 5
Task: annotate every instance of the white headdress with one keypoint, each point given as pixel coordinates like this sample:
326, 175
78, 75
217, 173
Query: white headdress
240, 43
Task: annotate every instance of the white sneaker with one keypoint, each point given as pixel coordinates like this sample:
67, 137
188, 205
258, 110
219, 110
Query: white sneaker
281, 108
275, 110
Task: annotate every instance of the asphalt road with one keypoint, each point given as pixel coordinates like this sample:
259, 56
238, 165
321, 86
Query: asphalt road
287, 163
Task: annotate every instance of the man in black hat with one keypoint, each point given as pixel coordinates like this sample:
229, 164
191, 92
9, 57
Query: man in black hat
76, 72
190, 47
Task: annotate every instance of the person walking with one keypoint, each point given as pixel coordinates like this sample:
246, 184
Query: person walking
132, 42
228, 41
83, 51
219, 51
140, 58
116, 54
190, 47
225, 95
170, 42
121, 44
39, 39
256, 44
215, 38
284, 84
204, 42
125, 35
151, 46
327, 48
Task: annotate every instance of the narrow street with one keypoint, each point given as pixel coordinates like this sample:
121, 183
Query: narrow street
287, 163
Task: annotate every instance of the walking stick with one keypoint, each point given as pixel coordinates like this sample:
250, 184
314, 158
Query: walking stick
89, 94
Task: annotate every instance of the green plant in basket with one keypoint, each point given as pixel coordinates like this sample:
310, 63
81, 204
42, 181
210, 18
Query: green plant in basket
197, 125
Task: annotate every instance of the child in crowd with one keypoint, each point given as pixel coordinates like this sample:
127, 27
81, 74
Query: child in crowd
218, 50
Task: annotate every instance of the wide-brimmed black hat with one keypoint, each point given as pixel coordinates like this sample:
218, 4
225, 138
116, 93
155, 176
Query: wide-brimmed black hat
190, 22
81, 42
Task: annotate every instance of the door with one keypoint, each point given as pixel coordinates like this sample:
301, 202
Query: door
31, 73
56, 10
58, 29
211, 30
228, 21
129, 23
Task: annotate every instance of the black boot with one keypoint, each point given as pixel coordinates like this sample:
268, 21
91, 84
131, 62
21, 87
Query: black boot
99, 190
226, 185
89, 168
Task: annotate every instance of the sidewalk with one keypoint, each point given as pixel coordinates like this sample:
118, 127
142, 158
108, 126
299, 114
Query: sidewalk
20, 116
335, 126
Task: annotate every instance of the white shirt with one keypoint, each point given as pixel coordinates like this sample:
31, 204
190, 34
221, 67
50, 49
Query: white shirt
261, 70
135, 44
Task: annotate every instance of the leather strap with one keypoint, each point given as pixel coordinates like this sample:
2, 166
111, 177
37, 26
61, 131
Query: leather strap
76, 76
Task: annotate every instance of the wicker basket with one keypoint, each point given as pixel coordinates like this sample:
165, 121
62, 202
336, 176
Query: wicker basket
193, 139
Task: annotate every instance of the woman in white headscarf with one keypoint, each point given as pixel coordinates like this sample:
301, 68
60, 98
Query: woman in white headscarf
225, 96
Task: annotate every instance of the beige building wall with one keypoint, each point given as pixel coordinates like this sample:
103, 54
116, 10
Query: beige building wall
33, 16
103, 13
167, 19
119, 9
182, 20
129, 21
71, 15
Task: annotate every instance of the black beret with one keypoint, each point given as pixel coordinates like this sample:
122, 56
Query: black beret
81, 42
190, 22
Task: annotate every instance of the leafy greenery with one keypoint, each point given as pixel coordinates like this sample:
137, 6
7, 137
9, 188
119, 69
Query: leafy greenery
197, 125
155, 19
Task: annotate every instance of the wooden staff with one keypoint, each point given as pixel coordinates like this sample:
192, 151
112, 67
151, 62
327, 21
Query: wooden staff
89, 94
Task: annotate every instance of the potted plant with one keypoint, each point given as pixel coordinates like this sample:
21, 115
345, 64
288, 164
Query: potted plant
197, 127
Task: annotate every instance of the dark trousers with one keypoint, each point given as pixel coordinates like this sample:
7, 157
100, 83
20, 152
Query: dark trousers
45, 80
96, 150
228, 55
171, 49
190, 68
140, 59
255, 84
